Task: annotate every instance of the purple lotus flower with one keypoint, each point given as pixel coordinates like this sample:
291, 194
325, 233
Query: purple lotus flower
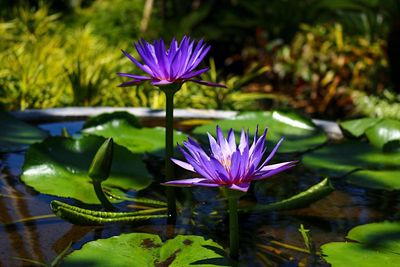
228, 164
166, 66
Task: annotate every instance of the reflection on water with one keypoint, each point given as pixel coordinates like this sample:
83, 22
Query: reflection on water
262, 236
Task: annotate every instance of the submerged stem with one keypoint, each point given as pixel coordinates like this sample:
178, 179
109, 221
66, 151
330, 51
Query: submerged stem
233, 228
169, 149
102, 197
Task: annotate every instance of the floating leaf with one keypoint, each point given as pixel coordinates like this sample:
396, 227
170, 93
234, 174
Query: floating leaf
379, 170
109, 117
141, 249
383, 132
377, 179
357, 128
378, 245
59, 166
150, 140
303, 199
300, 133
16, 135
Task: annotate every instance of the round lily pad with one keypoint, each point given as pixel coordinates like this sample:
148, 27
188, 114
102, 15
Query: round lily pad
137, 140
16, 135
374, 168
383, 132
376, 244
357, 127
58, 166
141, 250
300, 133
377, 179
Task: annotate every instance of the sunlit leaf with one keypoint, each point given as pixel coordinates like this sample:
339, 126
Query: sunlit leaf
383, 132
358, 127
141, 249
137, 140
377, 244
59, 166
373, 167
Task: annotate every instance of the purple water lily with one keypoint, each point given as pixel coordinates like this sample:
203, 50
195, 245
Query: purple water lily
228, 164
166, 66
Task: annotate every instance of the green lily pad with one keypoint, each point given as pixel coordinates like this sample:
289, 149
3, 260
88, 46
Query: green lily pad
377, 179
16, 135
357, 127
108, 117
141, 250
300, 133
375, 168
137, 140
58, 166
383, 132
378, 244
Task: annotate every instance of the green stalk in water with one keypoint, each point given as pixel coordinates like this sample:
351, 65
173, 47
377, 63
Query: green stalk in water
170, 91
233, 228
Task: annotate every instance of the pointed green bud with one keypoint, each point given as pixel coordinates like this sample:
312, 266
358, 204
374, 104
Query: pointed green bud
65, 133
101, 165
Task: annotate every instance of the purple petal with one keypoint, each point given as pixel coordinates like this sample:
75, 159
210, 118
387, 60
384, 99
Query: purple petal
194, 73
271, 154
163, 62
137, 63
183, 164
215, 148
278, 165
221, 172
241, 187
138, 77
265, 174
163, 82
185, 182
130, 83
146, 51
231, 140
235, 165
199, 58
244, 142
207, 83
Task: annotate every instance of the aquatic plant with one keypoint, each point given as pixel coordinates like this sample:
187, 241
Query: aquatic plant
175, 65
169, 69
231, 167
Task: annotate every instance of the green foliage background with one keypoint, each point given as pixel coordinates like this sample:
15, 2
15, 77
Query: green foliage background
316, 56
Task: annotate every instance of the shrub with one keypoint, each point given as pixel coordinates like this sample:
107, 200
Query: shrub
320, 68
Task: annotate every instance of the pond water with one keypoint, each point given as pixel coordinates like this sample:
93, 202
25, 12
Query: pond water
263, 237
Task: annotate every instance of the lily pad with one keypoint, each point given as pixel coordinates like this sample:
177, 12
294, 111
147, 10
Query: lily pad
137, 140
374, 169
107, 117
58, 166
141, 250
383, 132
16, 135
357, 127
377, 179
300, 133
378, 244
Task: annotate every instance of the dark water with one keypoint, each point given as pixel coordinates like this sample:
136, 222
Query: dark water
262, 236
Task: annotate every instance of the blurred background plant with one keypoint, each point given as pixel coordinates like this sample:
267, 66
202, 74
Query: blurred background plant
319, 56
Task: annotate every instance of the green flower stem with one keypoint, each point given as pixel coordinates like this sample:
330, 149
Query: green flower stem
102, 197
169, 147
233, 228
